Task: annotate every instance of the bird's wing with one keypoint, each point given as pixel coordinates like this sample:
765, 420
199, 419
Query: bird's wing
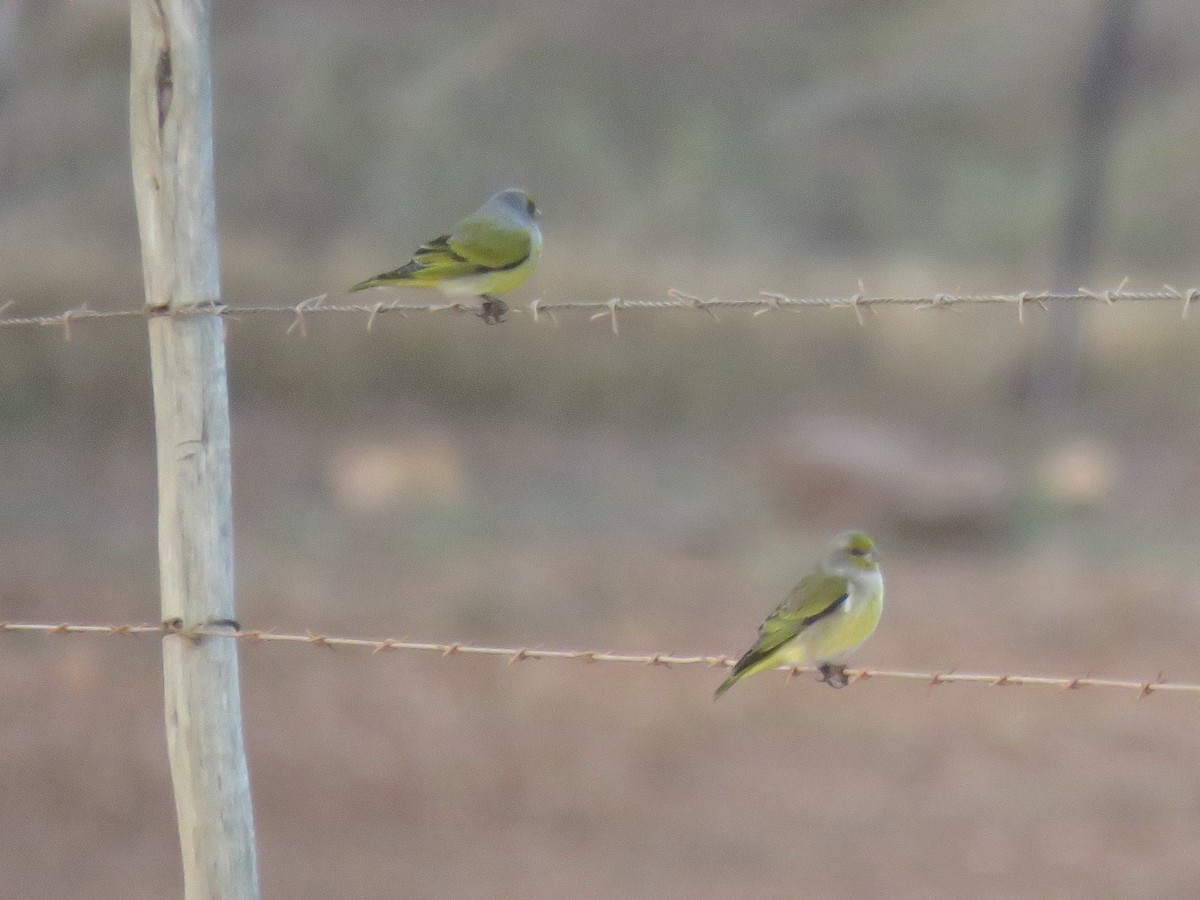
433, 263
815, 597
438, 259
491, 241
479, 244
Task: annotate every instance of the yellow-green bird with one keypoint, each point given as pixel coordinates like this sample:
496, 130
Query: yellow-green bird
833, 609
492, 251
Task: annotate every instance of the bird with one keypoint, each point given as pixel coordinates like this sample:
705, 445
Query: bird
824, 618
490, 252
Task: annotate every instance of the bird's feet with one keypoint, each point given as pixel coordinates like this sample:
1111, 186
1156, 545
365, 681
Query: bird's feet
834, 676
493, 309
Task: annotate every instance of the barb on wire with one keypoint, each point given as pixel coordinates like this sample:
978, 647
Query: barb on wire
597, 310
512, 655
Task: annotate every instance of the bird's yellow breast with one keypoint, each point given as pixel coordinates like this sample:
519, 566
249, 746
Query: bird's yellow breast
836, 636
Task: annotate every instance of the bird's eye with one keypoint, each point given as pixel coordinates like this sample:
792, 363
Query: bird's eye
531, 207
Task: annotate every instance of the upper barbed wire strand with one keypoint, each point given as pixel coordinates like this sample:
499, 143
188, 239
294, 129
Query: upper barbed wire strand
765, 302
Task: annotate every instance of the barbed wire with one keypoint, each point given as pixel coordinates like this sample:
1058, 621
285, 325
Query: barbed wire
666, 660
765, 302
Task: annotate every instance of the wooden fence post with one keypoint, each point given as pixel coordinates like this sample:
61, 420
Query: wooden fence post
170, 112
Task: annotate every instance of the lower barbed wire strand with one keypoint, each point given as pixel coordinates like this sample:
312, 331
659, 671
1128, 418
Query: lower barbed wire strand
517, 654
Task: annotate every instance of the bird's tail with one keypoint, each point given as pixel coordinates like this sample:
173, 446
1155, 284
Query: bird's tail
377, 281
756, 659
409, 273
727, 684
745, 666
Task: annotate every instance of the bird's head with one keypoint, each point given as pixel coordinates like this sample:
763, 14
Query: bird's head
518, 200
852, 551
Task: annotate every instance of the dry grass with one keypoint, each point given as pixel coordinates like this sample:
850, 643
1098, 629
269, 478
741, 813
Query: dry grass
467, 777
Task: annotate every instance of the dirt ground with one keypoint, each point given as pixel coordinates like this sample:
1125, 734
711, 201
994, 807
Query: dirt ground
416, 775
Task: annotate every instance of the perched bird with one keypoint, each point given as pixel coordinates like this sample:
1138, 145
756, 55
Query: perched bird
492, 251
826, 616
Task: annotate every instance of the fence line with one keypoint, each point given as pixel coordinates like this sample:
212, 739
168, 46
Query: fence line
765, 302
666, 660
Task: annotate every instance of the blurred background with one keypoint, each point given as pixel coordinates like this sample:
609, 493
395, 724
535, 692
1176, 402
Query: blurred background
1035, 488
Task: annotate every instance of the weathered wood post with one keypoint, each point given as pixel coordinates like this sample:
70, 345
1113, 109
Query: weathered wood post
170, 113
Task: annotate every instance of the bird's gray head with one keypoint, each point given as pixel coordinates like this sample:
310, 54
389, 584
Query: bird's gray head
516, 200
852, 552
